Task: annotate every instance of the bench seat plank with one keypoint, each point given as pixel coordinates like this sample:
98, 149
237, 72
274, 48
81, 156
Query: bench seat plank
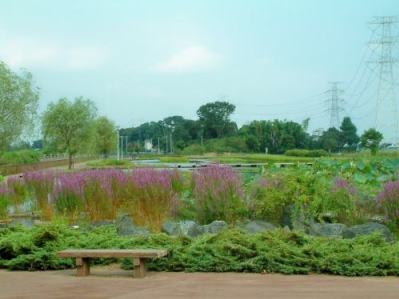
113, 253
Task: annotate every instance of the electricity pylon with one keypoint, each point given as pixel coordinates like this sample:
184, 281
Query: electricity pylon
386, 113
334, 103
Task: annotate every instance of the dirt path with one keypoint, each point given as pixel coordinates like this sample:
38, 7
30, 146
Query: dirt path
108, 282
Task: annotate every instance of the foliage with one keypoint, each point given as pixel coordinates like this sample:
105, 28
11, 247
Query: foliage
109, 163
270, 197
4, 200
276, 251
20, 157
106, 137
152, 196
371, 139
338, 202
214, 119
348, 136
305, 153
217, 194
40, 184
276, 136
17, 191
68, 126
388, 201
18, 104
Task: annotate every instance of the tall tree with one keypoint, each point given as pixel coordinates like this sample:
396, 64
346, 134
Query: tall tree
69, 126
215, 119
18, 104
329, 140
348, 135
371, 139
106, 136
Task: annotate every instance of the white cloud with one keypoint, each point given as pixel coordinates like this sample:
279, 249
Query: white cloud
191, 59
28, 52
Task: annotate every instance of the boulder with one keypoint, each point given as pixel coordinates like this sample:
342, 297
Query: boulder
368, 229
126, 227
102, 223
187, 228
214, 227
334, 230
256, 226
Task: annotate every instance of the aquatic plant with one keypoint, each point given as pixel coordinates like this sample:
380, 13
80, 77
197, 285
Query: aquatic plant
218, 194
388, 201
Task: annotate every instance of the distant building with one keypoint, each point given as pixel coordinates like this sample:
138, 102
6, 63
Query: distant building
148, 145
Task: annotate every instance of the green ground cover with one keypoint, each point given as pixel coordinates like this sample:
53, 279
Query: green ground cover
231, 250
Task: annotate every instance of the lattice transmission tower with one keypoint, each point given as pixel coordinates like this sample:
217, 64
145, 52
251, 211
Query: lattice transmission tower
386, 112
334, 104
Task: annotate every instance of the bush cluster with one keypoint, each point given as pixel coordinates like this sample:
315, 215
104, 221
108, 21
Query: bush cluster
277, 251
306, 153
20, 157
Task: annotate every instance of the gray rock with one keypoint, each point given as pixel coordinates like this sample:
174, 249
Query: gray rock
187, 228
126, 227
102, 223
368, 229
335, 230
256, 226
214, 227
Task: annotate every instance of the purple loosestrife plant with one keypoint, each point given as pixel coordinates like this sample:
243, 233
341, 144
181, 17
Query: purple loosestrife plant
388, 201
151, 197
4, 200
40, 185
18, 192
99, 198
68, 195
218, 194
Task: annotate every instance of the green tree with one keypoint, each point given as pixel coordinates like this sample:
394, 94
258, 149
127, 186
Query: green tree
329, 140
69, 126
348, 135
106, 136
215, 119
18, 104
371, 139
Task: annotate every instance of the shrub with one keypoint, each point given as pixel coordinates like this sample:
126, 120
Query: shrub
218, 194
277, 251
388, 202
306, 153
339, 202
20, 157
270, 197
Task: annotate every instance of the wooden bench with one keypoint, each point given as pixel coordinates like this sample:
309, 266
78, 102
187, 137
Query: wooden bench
83, 257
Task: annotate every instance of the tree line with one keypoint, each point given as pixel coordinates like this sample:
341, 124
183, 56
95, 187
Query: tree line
73, 126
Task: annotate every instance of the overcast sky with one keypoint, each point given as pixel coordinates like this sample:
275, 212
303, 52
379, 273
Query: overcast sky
145, 60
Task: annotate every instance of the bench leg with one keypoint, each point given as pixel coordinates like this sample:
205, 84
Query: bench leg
138, 268
83, 266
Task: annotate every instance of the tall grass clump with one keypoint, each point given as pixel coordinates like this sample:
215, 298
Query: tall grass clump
4, 200
18, 191
388, 202
102, 192
151, 196
67, 195
218, 194
40, 185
